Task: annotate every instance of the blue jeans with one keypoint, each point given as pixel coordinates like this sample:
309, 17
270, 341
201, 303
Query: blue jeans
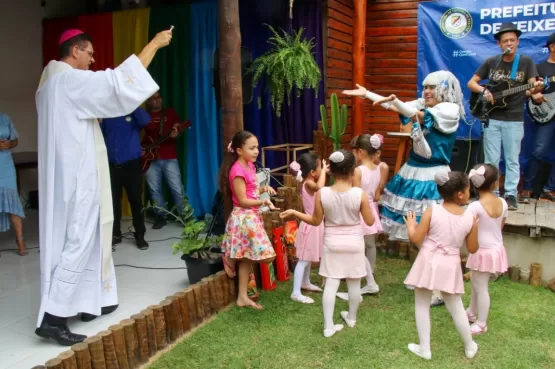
508, 134
544, 137
169, 169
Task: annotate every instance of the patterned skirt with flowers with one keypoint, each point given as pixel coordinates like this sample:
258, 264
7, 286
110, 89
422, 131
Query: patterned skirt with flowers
245, 237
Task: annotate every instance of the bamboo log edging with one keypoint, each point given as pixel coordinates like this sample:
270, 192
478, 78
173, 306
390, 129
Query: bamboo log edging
110, 355
133, 342
151, 331
68, 360
96, 350
536, 274
142, 337
54, 364
184, 310
82, 355
159, 326
120, 346
193, 318
198, 302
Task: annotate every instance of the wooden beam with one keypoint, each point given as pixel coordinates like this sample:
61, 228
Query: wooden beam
359, 55
230, 69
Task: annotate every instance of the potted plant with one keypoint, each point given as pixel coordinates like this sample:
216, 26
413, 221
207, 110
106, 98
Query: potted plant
200, 250
288, 64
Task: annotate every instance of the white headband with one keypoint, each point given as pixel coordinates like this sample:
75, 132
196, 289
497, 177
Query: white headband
477, 176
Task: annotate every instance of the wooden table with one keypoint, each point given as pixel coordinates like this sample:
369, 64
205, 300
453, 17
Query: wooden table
24, 160
404, 148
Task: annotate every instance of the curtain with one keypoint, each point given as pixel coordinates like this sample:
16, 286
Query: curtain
102, 37
170, 70
130, 29
99, 27
130, 35
299, 119
204, 140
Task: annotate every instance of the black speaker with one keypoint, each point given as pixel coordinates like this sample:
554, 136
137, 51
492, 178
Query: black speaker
246, 79
466, 154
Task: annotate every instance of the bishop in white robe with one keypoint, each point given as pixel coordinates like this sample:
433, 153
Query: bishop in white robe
75, 202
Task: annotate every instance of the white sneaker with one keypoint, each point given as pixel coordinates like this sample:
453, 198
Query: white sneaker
345, 296
370, 290
409, 287
349, 322
415, 349
330, 332
470, 353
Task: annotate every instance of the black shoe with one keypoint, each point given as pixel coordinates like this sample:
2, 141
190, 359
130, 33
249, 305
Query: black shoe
511, 202
60, 334
85, 317
140, 241
160, 223
116, 240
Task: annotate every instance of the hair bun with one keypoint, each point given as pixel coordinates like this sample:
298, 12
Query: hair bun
294, 166
337, 157
477, 176
441, 178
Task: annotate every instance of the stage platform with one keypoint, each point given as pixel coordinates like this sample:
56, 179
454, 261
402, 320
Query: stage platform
529, 236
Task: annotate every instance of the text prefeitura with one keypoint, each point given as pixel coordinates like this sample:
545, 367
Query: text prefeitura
505, 14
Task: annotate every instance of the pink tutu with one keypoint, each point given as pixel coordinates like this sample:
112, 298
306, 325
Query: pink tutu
377, 226
436, 271
309, 242
487, 260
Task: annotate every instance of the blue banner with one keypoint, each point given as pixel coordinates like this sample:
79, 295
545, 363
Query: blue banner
458, 36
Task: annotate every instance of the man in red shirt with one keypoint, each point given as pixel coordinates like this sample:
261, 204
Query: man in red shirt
163, 123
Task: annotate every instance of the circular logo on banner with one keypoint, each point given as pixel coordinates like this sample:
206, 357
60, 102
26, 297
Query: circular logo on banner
456, 23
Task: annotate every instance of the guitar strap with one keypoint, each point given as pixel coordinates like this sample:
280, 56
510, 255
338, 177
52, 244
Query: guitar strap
161, 128
516, 63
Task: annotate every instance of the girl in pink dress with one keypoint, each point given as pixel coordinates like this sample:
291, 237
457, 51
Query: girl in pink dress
368, 177
310, 239
384, 170
440, 234
245, 240
343, 256
491, 258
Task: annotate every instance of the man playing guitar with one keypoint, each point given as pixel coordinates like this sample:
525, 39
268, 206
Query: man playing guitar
545, 134
163, 122
506, 124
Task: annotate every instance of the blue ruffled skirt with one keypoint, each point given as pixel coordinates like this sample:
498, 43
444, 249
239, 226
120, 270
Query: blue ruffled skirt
411, 189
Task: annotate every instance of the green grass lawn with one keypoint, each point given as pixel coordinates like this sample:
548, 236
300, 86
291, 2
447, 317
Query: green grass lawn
289, 335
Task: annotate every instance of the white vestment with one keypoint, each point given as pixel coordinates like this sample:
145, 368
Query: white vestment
75, 199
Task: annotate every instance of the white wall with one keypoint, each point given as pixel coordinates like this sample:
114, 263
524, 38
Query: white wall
21, 65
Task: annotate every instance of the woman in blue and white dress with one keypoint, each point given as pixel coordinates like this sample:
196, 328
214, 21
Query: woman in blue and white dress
435, 120
11, 210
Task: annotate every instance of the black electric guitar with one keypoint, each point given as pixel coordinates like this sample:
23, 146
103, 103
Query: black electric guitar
481, 107
150, 151
542, 113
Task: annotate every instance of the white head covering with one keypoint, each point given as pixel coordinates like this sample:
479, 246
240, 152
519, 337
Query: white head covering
448, 88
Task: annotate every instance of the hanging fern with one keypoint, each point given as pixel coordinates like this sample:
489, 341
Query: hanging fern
288, 64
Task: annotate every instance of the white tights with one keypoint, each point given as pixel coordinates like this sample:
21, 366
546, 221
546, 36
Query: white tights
370, 245
455, 307
301, 276
480, 301
328, 300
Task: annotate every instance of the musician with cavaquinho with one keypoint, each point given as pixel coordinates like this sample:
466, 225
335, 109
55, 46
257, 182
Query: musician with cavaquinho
506, 112
542, 110
161, 156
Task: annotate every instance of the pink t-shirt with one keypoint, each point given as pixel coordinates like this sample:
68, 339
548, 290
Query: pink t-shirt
249, 175
489, 229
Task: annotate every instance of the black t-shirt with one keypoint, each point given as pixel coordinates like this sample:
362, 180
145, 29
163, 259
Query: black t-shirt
514, 112
547, 69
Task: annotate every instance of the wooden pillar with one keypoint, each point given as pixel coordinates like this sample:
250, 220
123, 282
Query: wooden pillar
359, 55
231, 88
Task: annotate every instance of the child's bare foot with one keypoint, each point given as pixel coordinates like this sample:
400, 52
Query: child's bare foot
22, 249
248, 303
229, 266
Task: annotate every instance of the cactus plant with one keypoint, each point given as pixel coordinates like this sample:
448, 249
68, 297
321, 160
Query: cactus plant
338, 121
